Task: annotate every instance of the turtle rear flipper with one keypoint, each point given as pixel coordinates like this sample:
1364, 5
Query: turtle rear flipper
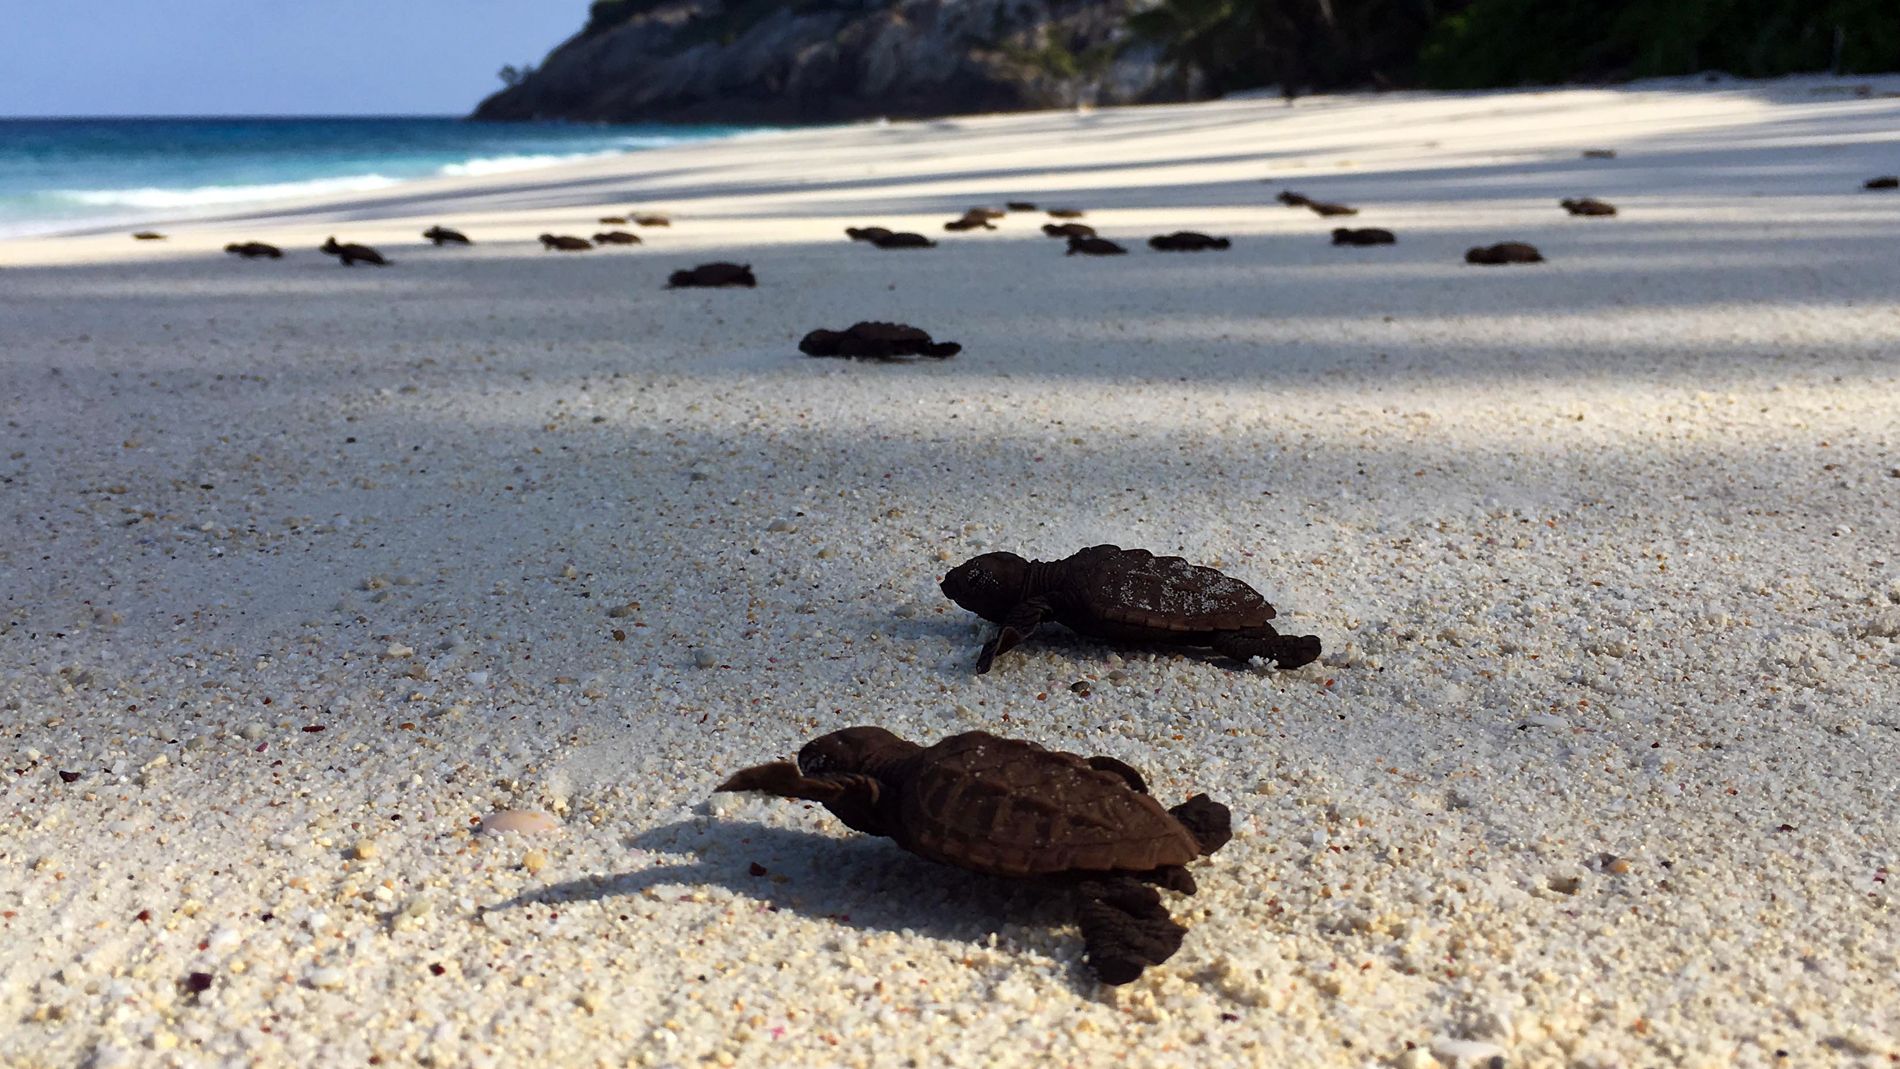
1211, 823
783, 779
1286, 651
1125, 929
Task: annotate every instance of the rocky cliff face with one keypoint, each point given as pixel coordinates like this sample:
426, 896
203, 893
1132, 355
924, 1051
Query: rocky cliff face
832, 60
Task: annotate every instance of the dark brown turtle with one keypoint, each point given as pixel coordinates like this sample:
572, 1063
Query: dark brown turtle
1587, 206
1504, 252
877, 341
442, 235
983, 213
1186, 241
714, 274
1126, 596
970, 222
1005, 807
612, 220
872, 234
1292, 199
1369, 235
1020, 206
1599, 154
564, 243
903, 239
652, 220
616, 237
1065, 213
1885, 181
252, 250
1320, 207
148, 235
1068, 230
351, 254
1094, 247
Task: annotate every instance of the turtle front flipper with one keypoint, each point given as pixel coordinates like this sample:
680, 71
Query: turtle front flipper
1126, 772
1285, 651
1017, 625
783, 779
1125, 928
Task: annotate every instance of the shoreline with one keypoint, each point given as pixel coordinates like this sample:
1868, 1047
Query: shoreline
314, 572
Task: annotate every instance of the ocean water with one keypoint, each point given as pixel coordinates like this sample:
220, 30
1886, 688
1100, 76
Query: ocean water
64, 174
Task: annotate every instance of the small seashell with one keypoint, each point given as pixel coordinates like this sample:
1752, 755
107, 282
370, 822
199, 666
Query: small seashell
525, 821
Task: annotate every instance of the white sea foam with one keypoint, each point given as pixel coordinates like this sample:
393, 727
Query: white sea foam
156, 197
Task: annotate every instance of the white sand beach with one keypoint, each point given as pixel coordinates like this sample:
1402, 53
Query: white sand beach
308, 570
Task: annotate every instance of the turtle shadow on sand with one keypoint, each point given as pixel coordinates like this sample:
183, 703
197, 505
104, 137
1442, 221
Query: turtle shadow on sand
864, 883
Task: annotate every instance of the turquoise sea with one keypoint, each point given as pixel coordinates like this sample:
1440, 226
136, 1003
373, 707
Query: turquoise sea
64, 174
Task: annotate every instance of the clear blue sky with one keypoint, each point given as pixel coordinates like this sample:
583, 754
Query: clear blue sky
268, 57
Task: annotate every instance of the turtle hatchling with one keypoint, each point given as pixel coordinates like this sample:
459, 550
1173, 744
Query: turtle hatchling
1006, 807
1123, 596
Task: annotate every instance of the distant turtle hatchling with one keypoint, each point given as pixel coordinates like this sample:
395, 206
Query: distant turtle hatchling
1504, 252
148, 235
442, 235
1006, 807
713, 274
252, 250
877, 341
1885, 181
564, 243
1186, 241
1065, 213
652, 220
1292, 199
1122, 596
1021, 206
616, 237
1321, 207
350, 253
903, 239
1068, 230
872, 234
1370, 235
1092, 246
1587, 206
970, 222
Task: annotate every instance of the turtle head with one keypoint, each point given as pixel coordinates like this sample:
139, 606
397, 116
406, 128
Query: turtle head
852, 750
989, 585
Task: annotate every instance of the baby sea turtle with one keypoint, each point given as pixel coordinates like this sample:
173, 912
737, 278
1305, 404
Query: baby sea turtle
1021, 206
877, 341
565, 243
1292, 199
442, 235
252, 250
1006, 807
866, 233
714, 274
1065, 213
903, 239
1504, 252
350, 254
616, 237
1599, 154
1094, 247
1370, 235
1068, 230
1122, 595
1587, 206
970, 222
1186, 241
1885, 181
612, 220
148, 235
652, 220
1323, 208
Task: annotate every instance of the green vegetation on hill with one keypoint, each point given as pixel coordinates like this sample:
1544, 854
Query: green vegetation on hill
1455, 44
